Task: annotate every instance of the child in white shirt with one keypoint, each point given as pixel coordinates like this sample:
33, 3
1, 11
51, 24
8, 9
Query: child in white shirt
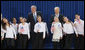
68, 29
79, 25
24, 34
40, 30
56, 30
10, 36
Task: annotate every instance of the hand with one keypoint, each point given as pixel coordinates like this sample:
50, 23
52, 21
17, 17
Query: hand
37, 30
61, 37
2, 38
75, 19
20, 33
76, 35
43, 37
53, 22
15, 38
82, 34
53, 29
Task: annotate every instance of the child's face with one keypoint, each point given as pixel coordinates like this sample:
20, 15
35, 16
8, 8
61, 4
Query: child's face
65, 19
56, 19
22, 20
77, 16
6, 20
14, 20
39, 19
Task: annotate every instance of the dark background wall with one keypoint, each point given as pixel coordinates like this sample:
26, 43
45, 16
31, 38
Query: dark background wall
16, 9
22, 8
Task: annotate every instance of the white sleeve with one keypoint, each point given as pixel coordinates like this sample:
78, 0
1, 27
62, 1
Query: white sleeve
64, 30
28, 29
2, 32
44, 31
19, 28
35, 28
83, 24
14, 32
75, 29
46, 28
51, 28
61, 30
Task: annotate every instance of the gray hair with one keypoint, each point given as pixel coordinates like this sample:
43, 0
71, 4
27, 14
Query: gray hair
56, 8
33, 6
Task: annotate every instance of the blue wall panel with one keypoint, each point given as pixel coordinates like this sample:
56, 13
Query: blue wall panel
16, 9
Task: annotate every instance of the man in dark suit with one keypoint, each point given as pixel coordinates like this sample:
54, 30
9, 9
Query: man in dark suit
32, 18
57, 14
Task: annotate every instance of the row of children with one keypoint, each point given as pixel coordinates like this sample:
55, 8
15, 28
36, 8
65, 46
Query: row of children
68, 31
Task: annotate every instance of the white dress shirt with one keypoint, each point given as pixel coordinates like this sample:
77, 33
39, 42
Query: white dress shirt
68, 28
57, 33
24, 29
15, 26
79, 26
2, 32
41, 27
35, 13
10, 32
57, 15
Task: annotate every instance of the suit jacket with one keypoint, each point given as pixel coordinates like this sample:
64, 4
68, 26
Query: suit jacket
32, 21
60, 18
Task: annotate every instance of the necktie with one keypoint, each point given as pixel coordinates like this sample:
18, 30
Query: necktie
79, 21
35, 17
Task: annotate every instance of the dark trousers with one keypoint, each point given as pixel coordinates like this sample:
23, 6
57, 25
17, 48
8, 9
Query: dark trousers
39, 41
16, 41
68, 41
3, 44
56, 45
23, 41
10, 43
32, 40
79, 42
62, 42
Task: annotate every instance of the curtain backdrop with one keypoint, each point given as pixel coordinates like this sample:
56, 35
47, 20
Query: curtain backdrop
16, 9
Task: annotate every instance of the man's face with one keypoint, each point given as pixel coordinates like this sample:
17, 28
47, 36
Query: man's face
56, 10
33, 9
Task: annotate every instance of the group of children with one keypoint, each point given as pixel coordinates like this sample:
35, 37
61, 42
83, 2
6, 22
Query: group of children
11, 32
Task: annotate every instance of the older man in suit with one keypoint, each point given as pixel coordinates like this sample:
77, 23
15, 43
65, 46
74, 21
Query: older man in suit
32, 18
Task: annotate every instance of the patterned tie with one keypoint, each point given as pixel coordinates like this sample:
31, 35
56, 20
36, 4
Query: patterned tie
35, 18
79, 21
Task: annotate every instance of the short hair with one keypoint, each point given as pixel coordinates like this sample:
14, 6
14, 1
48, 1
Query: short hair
77, 14
38, 16
56, 8
20, 17
33, 6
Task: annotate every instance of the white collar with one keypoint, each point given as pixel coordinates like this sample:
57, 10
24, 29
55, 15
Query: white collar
34, 13
57, 15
